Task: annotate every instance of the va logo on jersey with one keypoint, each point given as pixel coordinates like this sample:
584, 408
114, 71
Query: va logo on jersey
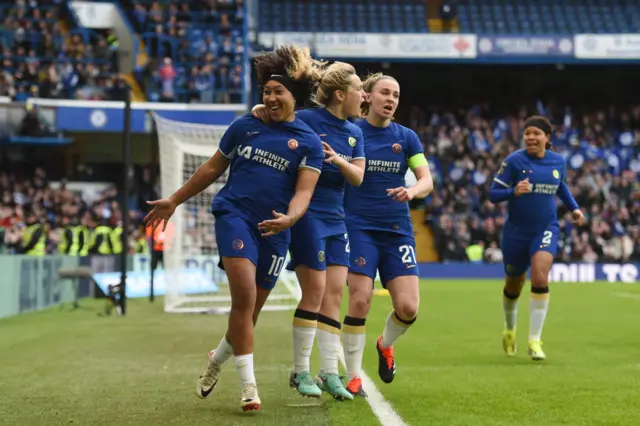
396, 148
293, 144
556, 174
352, 141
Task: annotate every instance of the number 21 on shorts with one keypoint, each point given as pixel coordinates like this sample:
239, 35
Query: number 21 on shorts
408, 254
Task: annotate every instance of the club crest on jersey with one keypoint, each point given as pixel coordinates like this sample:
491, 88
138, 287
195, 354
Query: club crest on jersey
238, 244
352, 141
396, 148
556, 174
321, 256
361, 261
293, 144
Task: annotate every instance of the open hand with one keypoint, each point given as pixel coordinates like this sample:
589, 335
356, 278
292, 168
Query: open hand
523, 187
330, 155
274, 226
401, 194
161, 213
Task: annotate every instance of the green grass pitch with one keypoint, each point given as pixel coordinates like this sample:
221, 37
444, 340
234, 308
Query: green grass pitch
60, 367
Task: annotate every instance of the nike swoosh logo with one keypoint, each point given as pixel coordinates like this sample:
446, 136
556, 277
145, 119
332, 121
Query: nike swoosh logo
411, 266
322, 134
252, 133
205, 392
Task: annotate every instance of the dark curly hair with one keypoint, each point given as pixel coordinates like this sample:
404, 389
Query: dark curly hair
543, 124
296, 66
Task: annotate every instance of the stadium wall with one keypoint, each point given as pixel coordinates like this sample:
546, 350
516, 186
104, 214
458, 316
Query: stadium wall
31, 283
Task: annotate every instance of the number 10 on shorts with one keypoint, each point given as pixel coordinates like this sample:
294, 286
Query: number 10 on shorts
277, 262
408, 254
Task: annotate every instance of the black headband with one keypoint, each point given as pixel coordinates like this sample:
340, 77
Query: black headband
296, 88
540, 123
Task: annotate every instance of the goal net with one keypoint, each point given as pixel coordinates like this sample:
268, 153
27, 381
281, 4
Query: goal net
192, 246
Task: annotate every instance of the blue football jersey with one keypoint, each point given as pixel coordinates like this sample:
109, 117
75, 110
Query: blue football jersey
387, 151
347, 141
264, 166
531, 213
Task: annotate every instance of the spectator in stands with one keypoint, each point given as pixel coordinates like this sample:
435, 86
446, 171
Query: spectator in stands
167, 76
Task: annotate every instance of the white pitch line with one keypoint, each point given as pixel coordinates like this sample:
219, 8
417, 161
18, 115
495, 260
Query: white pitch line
634, 296
382, 409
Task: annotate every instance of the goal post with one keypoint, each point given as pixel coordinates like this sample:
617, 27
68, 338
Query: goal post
183, 147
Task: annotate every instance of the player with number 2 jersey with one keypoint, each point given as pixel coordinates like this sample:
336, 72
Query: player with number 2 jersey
529, 180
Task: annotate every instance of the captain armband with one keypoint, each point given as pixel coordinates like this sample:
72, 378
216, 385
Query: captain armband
417, 160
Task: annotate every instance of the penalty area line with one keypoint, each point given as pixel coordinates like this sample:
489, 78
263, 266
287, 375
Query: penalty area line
382, 409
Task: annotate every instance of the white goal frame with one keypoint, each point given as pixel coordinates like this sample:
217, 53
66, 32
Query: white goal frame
179, 142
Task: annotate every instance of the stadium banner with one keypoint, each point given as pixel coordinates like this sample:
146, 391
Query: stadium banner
141, 263
30, 283
192, 281
108, 116
573, 273
378, 45
525, 46
607, 46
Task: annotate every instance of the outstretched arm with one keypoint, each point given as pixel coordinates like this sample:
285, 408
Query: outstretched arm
206, 174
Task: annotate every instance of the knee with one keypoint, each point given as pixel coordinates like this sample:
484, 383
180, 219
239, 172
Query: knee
406, 309
513, 286
313, 292
359, 304
539, 278
244, 302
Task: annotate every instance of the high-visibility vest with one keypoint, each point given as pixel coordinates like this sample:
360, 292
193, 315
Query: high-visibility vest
142, 246
116, 239
41, 246
105, 246
64, 241
84, 231
475, 253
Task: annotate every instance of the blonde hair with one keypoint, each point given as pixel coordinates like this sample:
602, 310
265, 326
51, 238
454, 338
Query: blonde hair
370, 83
295, 63
336, 77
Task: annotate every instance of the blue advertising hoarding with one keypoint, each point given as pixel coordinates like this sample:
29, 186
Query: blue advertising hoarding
512, 47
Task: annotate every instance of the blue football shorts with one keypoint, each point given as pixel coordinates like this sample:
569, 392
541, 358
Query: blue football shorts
517, 250
316, 243
391, 254
236, 237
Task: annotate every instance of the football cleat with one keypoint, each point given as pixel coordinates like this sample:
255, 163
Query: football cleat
209, 378
332, 384
355, 387
509, 343
535, 350
305, 385
250, 400
386, 362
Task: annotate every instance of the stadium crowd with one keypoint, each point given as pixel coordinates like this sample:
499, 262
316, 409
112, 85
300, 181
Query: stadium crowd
40, 60
197, 49
603, 171
38, 217
196, 52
